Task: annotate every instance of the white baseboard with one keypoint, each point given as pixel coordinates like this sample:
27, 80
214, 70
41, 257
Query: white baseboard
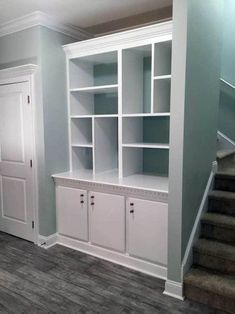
47, 242
188, 256
148, 268
174, 289
225, 142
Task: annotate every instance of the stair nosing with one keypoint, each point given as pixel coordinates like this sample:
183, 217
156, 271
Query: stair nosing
206, 220
217, 194
212, 287
217, 254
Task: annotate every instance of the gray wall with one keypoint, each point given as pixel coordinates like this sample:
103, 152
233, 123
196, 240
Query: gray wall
227, 97
194, 107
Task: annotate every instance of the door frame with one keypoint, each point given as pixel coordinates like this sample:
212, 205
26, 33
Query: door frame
27, 73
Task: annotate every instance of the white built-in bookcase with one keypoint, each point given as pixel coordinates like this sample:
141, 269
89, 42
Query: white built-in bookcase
119, 111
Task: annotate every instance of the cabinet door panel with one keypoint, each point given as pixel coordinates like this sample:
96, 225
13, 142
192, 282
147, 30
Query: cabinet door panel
72, 214
107, 220
147, 230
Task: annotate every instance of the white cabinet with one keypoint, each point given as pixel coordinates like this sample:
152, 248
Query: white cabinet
107, 220
147, 230
72, 215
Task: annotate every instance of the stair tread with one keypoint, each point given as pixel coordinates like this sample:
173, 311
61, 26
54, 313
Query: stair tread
221, 220
224, 175
224, 153
210, 281
222, 194
216, 249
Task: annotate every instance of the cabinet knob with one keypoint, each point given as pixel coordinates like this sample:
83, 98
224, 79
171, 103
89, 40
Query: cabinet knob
92, 204
131, 211
81, 202
131, 204
81, 195
92, 196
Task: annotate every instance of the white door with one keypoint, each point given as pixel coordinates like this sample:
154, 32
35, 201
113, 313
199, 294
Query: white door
16, 175
147, 230
107, 220
72, 212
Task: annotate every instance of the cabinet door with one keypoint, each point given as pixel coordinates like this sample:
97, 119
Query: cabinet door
107, 220
72, 212
147, 230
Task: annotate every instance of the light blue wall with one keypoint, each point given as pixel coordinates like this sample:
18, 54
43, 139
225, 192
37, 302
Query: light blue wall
194, 107
227, 98
228, 50
42, 46
55, 121
19, 48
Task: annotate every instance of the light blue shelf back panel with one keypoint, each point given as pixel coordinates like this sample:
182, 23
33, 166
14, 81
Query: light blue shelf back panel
147, 84
105, 74
156, 129
156, 161
106, 103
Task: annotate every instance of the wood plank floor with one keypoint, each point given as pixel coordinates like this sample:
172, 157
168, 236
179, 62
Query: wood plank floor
61, 280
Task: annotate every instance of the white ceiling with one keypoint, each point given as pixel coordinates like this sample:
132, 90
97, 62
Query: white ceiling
81, 13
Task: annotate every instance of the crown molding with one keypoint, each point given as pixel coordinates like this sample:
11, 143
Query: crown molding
139, 36
39, 18
19, 71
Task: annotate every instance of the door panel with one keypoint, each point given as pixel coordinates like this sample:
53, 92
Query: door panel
12, 142
72, 213
16, 175
107, 220
13, 198
147, 230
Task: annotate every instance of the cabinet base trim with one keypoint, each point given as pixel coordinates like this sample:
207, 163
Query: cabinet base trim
114, 257
174, 289
47, 242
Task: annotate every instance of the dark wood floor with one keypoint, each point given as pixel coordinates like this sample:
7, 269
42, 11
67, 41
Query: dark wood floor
61, 280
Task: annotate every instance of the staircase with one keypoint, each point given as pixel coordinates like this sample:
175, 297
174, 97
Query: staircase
211, 279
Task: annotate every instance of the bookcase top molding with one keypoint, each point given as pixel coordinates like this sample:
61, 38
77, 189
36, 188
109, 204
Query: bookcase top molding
125, 39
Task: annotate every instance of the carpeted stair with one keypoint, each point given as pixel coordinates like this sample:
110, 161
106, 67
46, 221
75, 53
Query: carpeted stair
211, 280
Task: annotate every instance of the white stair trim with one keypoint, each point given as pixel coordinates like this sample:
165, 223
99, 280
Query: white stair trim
227, 88
225, 142
38, 18
188, 256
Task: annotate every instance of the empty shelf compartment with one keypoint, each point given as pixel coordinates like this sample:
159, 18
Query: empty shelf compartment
95, 70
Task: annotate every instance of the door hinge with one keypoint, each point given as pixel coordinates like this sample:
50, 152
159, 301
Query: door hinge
31, 163
28, 99
32, 224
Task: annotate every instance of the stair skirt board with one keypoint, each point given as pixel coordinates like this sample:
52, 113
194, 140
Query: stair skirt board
188, 257
225, 142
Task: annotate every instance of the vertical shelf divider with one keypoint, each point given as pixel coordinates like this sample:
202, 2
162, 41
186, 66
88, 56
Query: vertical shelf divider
93, 141
152, 77
120, 104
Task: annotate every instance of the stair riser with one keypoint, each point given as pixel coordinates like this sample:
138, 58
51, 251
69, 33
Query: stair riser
218, 302
214, 263
222, 206
217, 233
226, 162
225, 184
